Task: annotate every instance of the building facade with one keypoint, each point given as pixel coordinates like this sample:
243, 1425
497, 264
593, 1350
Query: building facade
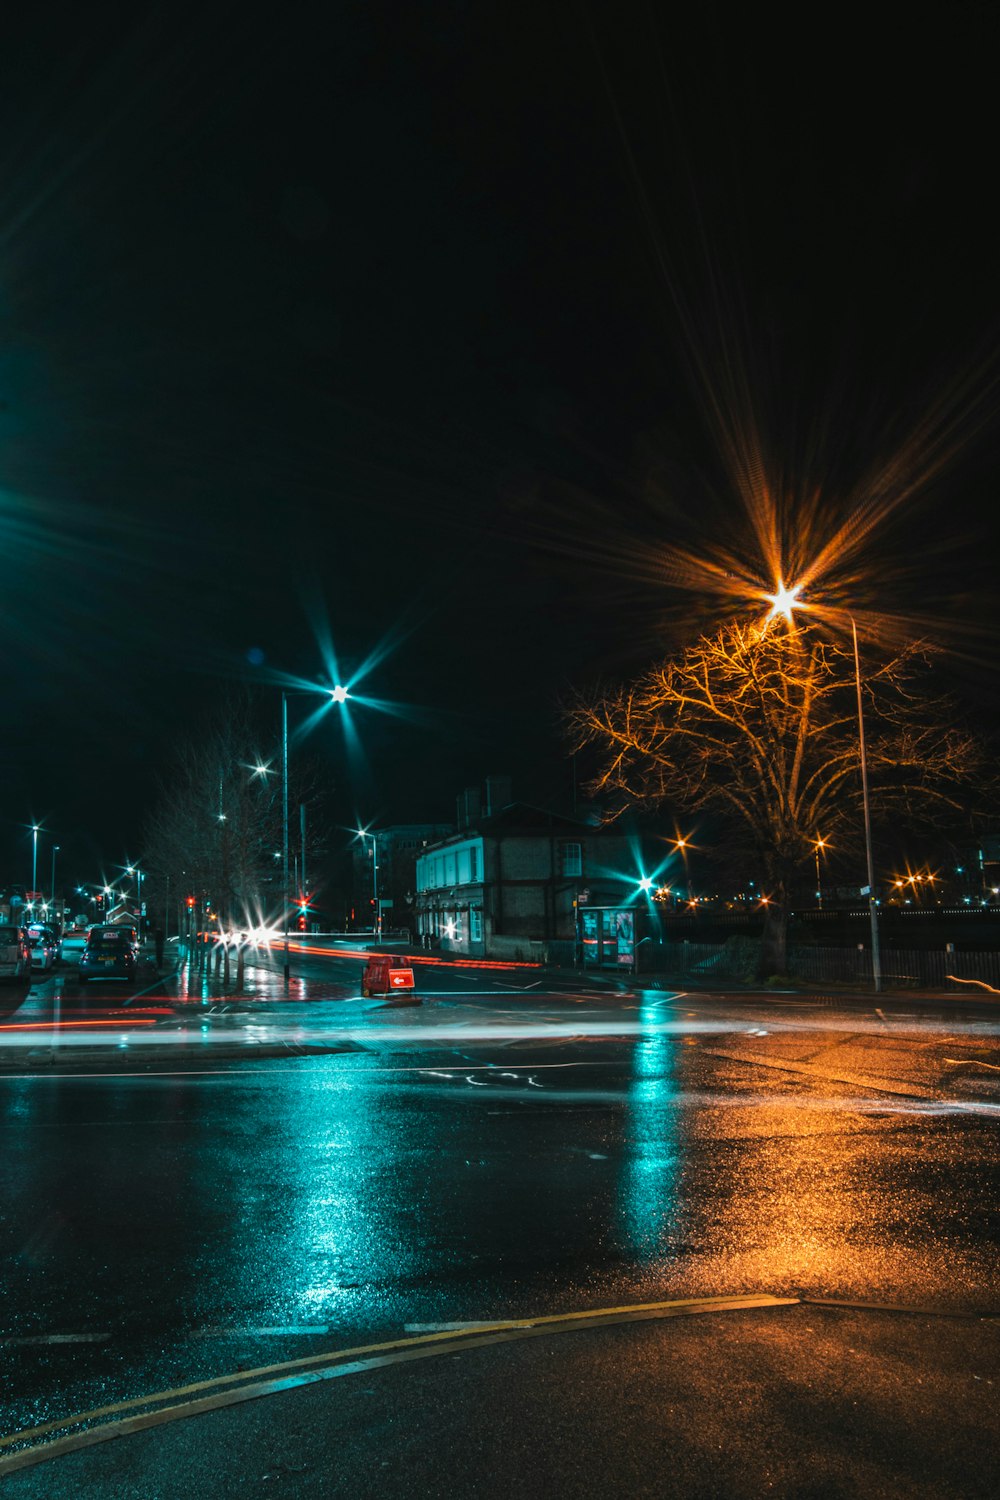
512, 882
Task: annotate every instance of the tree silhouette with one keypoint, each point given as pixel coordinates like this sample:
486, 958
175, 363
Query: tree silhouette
757, 724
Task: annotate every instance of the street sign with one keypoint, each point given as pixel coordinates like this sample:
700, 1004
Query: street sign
582, 898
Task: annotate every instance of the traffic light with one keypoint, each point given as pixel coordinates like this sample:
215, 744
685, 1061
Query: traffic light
190, 903
302, 921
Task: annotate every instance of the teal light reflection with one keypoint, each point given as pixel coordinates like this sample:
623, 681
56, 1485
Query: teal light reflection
648, 1182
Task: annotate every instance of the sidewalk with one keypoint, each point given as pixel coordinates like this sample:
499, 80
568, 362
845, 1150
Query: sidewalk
799, 1399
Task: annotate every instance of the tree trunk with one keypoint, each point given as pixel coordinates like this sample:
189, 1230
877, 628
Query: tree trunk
241, 964
773, 958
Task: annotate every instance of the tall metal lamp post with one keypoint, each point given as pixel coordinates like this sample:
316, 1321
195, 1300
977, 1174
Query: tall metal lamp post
363, 834
34, 859
819, 844
872, 902
134, 870
784, 602
52, 886
339, 695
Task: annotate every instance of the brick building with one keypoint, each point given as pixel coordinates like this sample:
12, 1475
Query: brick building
510, 882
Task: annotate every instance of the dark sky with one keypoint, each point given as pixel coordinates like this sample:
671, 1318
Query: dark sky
352, 312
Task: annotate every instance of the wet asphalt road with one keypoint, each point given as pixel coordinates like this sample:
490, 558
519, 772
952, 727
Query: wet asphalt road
497, 1152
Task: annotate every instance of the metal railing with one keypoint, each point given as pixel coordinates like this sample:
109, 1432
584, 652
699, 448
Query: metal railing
921, 968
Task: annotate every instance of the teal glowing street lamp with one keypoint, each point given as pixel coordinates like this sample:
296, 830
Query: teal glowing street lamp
337, 694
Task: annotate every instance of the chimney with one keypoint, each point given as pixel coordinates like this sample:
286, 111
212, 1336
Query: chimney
498, 794
468, 807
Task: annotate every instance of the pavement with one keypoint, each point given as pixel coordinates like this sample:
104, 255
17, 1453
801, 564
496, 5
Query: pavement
263, 1277
700, 1400
197, 1015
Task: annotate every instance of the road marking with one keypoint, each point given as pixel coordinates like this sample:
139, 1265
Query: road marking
268, 1380
444, 1327
257, 1333
57, 1338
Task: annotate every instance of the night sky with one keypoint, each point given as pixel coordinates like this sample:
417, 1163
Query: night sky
369, 319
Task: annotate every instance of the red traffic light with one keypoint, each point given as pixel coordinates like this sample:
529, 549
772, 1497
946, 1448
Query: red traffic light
190, 902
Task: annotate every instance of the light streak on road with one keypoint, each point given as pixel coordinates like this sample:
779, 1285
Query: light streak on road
483, 1031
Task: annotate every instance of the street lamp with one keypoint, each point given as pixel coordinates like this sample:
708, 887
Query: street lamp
872, 903
52, 888
681, 846
337, 694
783, 602
34, 858
134, 870
363, 833
819, 844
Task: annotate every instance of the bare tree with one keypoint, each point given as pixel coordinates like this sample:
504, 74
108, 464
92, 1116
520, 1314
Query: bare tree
758, 725
217, 824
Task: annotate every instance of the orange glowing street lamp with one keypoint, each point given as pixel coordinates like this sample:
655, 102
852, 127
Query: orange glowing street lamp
784, 601
819, 844
681, 846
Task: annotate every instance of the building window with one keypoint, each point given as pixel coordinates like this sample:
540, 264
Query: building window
475, 925
572, 859
474, 863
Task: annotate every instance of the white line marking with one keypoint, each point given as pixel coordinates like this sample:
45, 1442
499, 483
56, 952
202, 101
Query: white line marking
257, 1333
441, 1327
58, 1338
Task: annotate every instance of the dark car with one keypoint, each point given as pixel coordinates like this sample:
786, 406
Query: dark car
15, 952
111, 953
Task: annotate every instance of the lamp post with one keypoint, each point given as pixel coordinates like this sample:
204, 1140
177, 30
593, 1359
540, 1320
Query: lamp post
784, 602
820, 844
376, 909
134, 870
52, 887
681, 846
34, 858
872, 903
339, 695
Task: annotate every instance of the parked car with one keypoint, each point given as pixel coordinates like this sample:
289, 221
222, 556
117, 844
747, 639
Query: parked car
46, 949
15, 952
110, 953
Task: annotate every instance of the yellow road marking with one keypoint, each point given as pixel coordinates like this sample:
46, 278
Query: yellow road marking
267, 1379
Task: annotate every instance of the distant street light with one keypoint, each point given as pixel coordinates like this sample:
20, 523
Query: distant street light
681, 846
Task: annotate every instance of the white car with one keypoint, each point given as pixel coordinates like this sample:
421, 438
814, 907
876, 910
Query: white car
74, 940
15, 952
45, 946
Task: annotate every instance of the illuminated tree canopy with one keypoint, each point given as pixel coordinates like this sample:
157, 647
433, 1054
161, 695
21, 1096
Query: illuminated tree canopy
758, 725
